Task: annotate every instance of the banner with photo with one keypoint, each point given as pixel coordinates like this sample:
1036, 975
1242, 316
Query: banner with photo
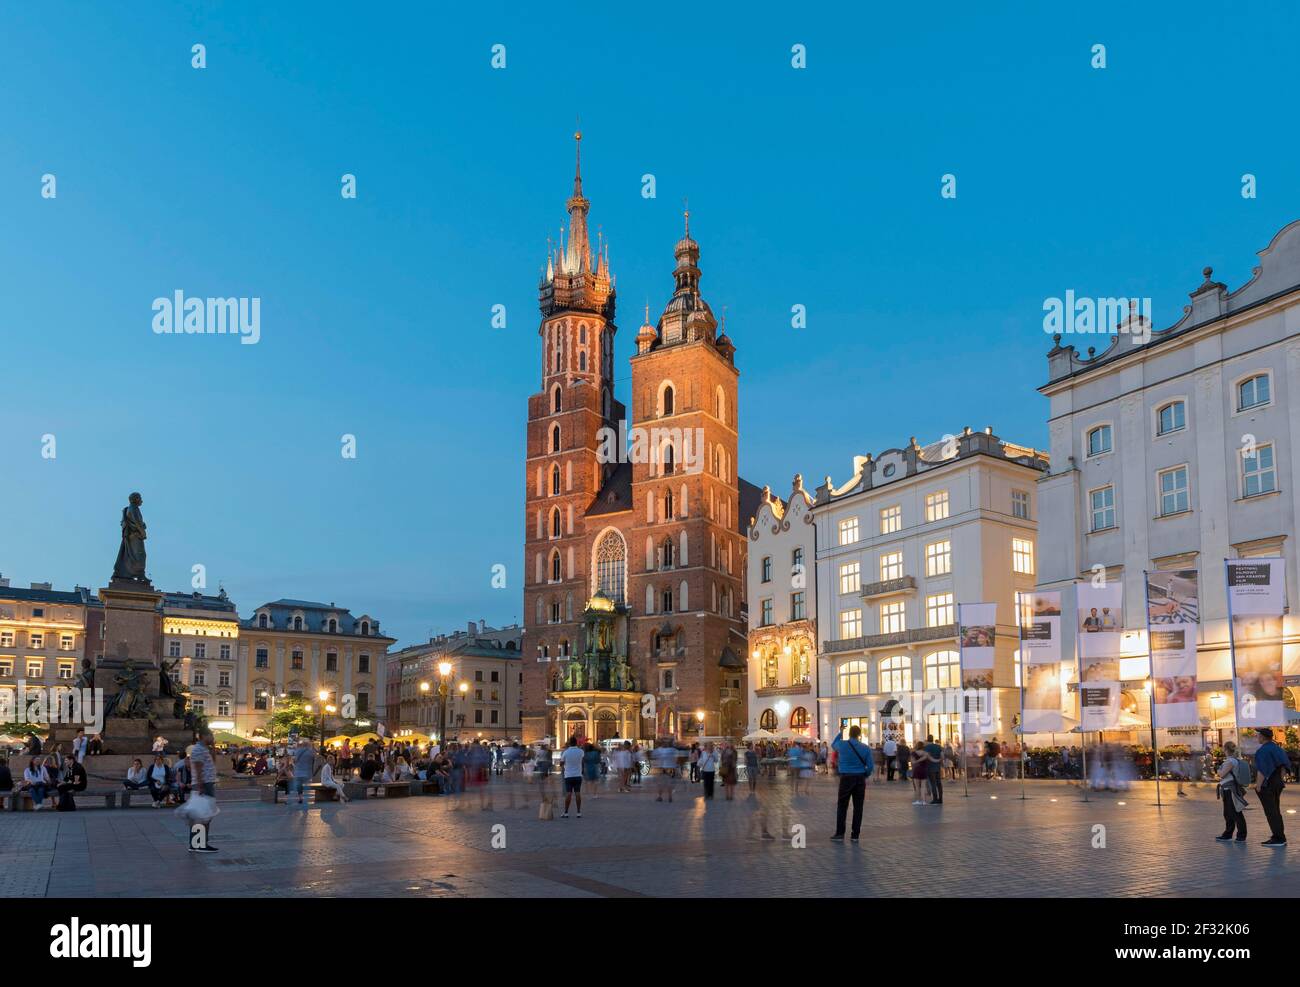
978, 623
1100, 612
1256, 601
1173, 616
1040, 627
1039, 619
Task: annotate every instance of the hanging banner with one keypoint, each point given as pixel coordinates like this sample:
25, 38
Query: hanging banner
977, 645
1101, 626
1173, 616
1040, 627
1039, 618
1256, 600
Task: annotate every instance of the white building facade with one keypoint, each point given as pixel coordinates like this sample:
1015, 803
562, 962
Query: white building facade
913, 534
1179, 453
782, 594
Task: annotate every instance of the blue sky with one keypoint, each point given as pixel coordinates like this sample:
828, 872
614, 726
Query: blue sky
817, 187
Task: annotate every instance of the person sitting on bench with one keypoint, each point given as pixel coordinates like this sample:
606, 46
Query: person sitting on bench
136, 777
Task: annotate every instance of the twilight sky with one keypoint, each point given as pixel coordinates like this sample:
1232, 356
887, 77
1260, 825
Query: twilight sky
817, 187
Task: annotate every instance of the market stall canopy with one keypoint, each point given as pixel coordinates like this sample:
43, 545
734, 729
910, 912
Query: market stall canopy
759, 734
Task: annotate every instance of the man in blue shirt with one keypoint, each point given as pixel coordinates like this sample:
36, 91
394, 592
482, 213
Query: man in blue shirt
1270, 762
853, 760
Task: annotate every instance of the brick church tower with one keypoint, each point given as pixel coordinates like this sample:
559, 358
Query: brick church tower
576, 401
688, 553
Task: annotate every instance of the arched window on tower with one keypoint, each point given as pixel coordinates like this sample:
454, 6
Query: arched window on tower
669, 460
555, 522
666, 553
582, 361
668, 505
555, 566
555, 480
555, 438
611, 565
555, 399
668, 401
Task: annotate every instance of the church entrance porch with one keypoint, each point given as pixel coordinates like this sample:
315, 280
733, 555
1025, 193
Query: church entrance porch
596, 715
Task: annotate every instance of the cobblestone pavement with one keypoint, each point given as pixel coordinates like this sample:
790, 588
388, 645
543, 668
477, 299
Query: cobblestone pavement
989, 844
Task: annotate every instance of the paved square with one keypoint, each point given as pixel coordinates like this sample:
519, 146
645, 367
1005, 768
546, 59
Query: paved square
629, 845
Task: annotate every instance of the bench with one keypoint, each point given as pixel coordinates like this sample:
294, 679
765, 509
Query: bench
385, 789
323, 793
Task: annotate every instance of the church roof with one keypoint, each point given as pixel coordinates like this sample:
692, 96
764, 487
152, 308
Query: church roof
729, 659
750, 497
616, 493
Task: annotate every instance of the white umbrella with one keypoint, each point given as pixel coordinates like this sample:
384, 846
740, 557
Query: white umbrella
759, 734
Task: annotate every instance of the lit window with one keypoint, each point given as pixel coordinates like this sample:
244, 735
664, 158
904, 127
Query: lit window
1102, 503
891, 566
1253, 393
848, 531
35, 669
893, 618
1022, 555
850, 577
37, 639
1099, 440
1020, 504
1171, 418
943, 670
6, 639
1174, 497
223, 707
853, 678
850, 624
1258, 475
65, 669
938, 558
65, 642
936, 506
938, 610
891, 519
896, 674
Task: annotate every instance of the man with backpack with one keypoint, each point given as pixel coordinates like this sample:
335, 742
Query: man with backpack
1270, 764
854, 760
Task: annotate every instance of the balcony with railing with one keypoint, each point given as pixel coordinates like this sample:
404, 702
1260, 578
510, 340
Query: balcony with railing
889, 587
917, 635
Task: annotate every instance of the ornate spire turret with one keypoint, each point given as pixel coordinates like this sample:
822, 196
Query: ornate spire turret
575, 278
687, 316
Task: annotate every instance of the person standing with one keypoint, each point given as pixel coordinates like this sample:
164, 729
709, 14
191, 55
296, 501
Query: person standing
920, 774
1270, 764
664, 759
79, 745
708, 767
752, 769
890, 750
304, 766
904, 758
571, 762
623, 764
695, 763
203, 770
727, 765
855, 765
934, 770
1234, 779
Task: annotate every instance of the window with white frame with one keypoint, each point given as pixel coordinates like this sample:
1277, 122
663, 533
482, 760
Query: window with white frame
848, 530
893, 617
35, 669
173, 649
1171, 417
938, 610
1253, 392
936, 505
891, 519
850, 577
65, 642
200, 650
36, 639
1258, 473
896, 674
1099, 440
6, 639
850, 624
1020, 504
853, 678
891, 566
223, 679
1174, 495
6, 667
198, 676
65, 669
1101, 504
943, 670
1022, 555
938, 558
223, 707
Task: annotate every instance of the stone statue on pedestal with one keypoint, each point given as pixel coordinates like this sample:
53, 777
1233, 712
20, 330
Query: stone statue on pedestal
131, 702
131, 555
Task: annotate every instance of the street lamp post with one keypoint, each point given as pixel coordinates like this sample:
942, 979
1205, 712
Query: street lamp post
323, 695
444, 670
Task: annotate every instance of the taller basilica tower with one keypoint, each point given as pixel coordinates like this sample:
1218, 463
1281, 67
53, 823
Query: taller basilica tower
634, 554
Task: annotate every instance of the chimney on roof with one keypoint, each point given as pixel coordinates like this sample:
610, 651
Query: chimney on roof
42, 586
482, 625
472, 628
4, 582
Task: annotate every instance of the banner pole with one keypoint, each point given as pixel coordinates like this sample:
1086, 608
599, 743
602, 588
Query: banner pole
1024, 665
961, 670
1078, 691
1151, 683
